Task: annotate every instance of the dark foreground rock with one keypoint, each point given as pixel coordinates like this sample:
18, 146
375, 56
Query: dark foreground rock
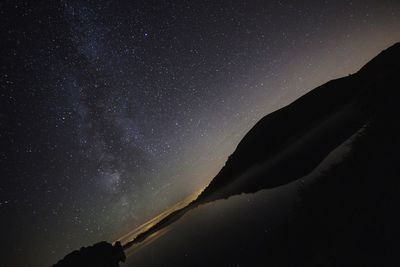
101, 254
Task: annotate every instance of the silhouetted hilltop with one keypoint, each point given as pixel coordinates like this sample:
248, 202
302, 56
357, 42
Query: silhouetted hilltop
289, 143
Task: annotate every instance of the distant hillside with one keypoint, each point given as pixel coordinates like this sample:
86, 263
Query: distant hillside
288, 144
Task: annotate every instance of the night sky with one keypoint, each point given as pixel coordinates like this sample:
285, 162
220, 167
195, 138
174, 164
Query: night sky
112, 111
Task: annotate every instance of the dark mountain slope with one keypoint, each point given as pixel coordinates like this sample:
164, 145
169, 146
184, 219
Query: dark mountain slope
294, 139
289, 143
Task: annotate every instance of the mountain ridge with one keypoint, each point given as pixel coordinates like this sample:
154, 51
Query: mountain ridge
332, 96
290, 142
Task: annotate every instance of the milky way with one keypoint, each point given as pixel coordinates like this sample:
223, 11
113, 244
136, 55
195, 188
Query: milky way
113, 111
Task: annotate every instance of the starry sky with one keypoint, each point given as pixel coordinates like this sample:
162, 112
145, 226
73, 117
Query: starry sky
112, 111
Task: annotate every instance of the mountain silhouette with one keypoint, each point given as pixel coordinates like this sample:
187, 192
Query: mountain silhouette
289, 143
